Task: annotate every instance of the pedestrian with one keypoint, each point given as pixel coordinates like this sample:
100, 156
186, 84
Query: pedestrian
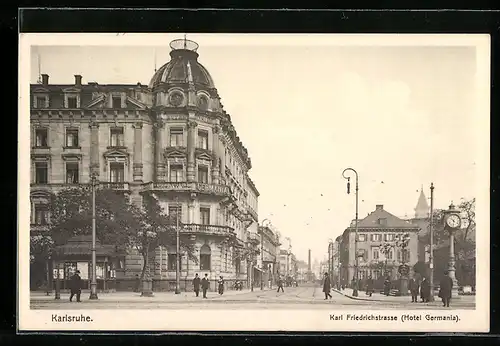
205, 283
387, 286
425, 290
414, 288
280, 284
221, 285
75, 286
369, 286
137, 283
196, 284
327, 286
445, 287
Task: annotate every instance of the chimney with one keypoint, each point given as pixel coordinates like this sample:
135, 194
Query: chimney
78, 80
379, 207
45, 79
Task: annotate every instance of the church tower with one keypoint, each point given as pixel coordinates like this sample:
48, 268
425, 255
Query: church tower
422, 209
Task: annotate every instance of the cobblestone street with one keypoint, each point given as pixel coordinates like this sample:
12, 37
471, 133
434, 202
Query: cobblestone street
292, 298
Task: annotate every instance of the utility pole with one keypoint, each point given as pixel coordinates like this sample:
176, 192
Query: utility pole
262, 258
431, 246
178, 257
93, 284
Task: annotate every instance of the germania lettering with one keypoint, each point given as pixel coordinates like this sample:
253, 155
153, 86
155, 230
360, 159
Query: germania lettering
453, 318
71, 318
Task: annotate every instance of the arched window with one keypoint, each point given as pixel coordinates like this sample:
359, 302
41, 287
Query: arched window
205, 257
202, 103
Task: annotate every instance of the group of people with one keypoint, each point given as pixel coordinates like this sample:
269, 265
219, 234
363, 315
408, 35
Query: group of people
445, 289
205, 284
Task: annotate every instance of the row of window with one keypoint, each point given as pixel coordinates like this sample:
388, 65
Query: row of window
41, 213
378, 255
116, 173
117, 138
72, 102
378, 237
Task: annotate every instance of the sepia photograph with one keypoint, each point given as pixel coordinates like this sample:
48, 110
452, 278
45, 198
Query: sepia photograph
213, 182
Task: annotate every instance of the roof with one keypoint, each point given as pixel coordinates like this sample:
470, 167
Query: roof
422, 209
182, 66
391, 221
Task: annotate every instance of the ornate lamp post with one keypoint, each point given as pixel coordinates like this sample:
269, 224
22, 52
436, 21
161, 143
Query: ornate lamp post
453, 222
355, 288
93, 283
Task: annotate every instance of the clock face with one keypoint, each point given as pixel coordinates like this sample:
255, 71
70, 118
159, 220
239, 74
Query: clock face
453, 221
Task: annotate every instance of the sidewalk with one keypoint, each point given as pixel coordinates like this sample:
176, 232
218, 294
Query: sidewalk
128, 296
378, 297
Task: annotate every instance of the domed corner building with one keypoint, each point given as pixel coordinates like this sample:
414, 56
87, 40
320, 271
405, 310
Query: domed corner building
171, 139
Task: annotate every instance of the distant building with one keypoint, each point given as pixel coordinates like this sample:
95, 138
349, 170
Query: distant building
270, 258
302, 270
378, 228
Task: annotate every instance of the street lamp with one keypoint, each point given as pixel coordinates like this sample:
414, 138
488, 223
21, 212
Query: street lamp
177, 245
355, 288
431, 246
93, 283
330, 259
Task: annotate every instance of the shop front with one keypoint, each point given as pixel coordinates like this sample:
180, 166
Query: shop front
76, 254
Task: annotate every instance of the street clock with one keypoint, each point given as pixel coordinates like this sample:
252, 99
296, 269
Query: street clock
452, 218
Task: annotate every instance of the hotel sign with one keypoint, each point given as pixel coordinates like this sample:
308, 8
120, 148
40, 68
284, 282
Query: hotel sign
192, 187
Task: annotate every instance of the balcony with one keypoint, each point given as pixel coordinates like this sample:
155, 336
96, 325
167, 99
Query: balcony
194, 228
253, 238
55, 188
114, 186
203, 188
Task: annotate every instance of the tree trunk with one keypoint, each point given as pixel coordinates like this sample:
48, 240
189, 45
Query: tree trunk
145, 262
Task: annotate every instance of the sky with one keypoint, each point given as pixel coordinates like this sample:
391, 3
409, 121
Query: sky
402, 115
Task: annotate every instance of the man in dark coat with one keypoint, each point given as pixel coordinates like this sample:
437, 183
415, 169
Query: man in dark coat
369, 286
196, 284
75, 285
414, 288
280, 284
221, 285
445, 287
425, 290
327, 286
387, 286
205, 283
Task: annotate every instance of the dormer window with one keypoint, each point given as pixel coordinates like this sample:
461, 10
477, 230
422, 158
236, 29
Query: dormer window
382, 221
116, 102
72, 102
40, 102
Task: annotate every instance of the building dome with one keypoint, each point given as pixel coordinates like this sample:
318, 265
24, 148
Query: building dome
176, 70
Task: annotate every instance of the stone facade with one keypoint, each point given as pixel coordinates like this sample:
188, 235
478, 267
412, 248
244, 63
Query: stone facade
172, 139
378, 228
